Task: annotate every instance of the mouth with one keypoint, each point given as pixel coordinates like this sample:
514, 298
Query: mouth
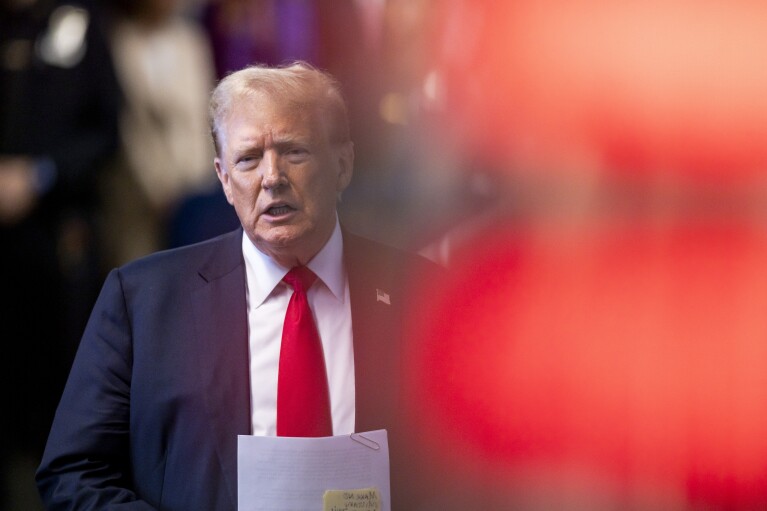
279, 210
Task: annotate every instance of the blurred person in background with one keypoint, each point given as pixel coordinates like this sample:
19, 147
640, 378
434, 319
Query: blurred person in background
164, 66
58, 126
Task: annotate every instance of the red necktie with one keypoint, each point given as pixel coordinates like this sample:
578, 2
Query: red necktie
303, 400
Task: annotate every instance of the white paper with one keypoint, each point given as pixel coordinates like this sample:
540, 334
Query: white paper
292, 474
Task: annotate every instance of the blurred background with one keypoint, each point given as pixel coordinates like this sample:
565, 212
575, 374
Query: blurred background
593, 173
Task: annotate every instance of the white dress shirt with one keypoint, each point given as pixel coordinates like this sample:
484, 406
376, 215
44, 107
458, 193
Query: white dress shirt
267, 299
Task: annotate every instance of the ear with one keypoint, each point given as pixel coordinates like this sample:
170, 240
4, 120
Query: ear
223, 176
345, 166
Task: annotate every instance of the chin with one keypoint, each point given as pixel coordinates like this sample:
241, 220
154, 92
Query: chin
296, 239
285, 235
278, 238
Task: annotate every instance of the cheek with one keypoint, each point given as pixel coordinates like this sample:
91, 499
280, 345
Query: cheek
321, 190
244, 196
245, 188
316, 203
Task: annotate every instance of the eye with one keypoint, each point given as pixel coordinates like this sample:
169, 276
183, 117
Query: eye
246, 161
297, 154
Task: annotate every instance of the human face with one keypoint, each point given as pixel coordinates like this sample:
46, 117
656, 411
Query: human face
283, 175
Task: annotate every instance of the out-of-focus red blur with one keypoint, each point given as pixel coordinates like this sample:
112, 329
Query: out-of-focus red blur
602, 342
653, 86
637, 354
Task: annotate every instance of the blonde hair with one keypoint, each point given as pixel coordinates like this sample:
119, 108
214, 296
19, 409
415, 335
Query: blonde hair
298, 83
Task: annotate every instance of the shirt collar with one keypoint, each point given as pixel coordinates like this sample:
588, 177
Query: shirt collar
264, 274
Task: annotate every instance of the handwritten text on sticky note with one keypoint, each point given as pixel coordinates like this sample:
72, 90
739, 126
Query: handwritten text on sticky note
367, 499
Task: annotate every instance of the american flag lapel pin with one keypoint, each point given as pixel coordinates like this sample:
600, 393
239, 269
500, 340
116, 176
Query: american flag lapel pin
382, 296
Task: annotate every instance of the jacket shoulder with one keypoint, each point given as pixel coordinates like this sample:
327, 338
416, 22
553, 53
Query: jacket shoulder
210, 258
378, 256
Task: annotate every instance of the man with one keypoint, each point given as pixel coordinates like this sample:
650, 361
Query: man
182, 352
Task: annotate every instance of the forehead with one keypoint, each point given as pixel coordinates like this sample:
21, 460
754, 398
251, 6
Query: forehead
258, 114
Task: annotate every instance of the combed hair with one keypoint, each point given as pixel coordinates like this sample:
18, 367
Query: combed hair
299, 83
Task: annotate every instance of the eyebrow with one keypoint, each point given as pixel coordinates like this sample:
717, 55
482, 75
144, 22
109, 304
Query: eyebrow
281, 145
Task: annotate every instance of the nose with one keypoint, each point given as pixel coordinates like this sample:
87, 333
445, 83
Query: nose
272, 175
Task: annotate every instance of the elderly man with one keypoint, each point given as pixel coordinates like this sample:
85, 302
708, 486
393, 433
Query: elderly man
188, 348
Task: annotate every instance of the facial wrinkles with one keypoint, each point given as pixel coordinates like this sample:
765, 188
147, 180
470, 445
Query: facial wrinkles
249, 143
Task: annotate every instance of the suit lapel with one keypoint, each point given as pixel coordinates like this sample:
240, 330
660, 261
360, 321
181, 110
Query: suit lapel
375, 326
221, 323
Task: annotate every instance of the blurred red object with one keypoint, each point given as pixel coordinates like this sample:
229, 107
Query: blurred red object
657, 86
636, 353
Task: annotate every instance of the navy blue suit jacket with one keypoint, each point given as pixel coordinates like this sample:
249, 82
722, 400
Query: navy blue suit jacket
159, 389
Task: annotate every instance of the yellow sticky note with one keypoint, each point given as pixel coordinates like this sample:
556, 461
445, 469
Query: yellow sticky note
365, 499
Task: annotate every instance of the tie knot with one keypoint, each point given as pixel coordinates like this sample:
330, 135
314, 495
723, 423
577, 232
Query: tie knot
300, 278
